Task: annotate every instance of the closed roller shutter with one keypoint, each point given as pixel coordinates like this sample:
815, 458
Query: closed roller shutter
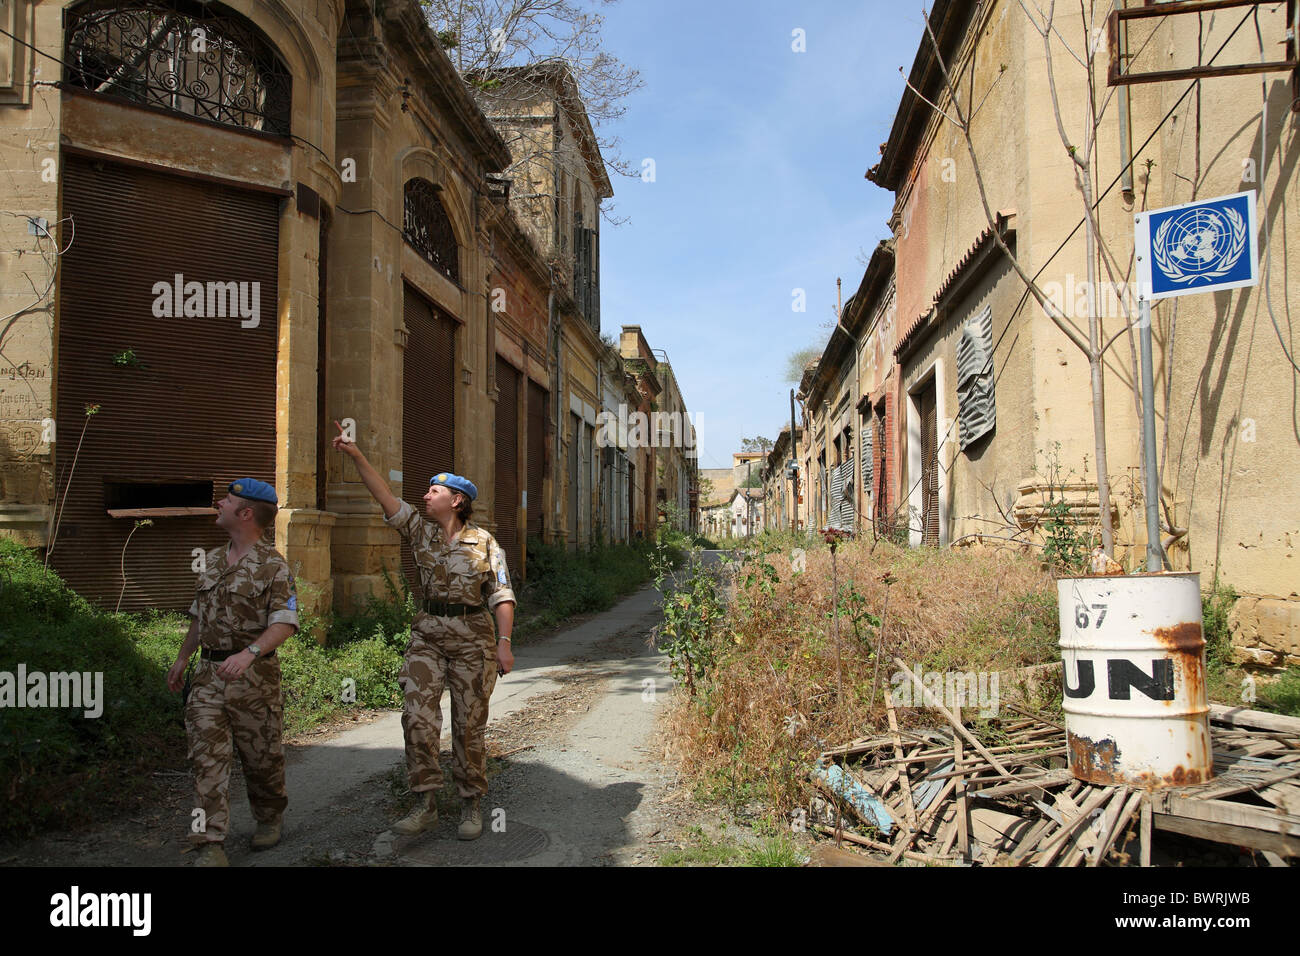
186, 404
537, 403
929, 468
575, 427
428, 404
507, 463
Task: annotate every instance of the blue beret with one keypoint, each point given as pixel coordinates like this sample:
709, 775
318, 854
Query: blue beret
455, 483
253, 490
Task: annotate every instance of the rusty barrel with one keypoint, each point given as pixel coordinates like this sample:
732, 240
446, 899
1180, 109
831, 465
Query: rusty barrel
1136, 709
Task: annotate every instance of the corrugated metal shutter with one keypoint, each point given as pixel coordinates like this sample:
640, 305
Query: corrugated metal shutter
842, 511
868, 455
929, 468
976, 408
428, 404
507, 463
537, 403
173, 408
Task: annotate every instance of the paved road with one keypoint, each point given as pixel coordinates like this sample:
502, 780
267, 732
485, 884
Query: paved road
586, 699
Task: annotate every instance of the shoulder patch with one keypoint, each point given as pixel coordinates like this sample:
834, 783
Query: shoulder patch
292, 603
501, 575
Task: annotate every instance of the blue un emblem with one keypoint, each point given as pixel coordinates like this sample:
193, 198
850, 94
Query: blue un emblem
1200, 247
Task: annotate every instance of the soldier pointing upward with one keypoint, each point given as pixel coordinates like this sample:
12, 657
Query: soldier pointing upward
464, 584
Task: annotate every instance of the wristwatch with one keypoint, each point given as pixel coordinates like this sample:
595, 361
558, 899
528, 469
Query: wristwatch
254, 650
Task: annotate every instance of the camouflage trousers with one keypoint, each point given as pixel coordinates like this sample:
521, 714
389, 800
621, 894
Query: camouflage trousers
249, 711
459, 653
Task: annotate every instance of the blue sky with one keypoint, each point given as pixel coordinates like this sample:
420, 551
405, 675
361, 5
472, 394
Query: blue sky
759, 158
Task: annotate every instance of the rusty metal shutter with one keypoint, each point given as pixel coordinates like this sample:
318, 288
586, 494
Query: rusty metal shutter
428, 404
537, 403
182, 401
929, 468
507, 463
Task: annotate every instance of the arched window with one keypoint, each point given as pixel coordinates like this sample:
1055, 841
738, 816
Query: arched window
427, 228
195, 58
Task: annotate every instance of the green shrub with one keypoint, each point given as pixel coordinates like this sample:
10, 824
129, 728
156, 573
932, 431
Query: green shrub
1215, 607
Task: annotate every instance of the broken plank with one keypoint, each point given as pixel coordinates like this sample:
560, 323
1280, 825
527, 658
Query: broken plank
909, 809
928, 698
1126, 812
1258, 719
1287, 798
1146, 826
1052, 778
959, 790
825, 854
905, 840
876, 845
1233, 814
1239, 784
1057, 841
1231, 834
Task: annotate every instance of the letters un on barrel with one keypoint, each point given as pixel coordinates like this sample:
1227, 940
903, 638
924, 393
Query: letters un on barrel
1136, 707
1204, 246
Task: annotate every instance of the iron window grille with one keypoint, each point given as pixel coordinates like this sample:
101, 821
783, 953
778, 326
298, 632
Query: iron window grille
427, 227
186, 57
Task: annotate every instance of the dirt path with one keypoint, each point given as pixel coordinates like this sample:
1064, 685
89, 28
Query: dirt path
578, 783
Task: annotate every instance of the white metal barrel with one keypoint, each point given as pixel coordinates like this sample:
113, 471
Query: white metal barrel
1136, 708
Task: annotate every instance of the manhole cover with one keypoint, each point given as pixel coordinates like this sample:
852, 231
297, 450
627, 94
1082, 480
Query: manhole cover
441, 848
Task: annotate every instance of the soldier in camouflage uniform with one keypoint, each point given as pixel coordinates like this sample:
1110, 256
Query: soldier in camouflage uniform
245, 608
464, 584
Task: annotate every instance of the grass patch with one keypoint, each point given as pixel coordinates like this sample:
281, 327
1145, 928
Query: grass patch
703, 850
1282, 695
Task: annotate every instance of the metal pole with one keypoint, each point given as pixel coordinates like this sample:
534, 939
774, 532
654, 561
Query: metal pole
1152, 491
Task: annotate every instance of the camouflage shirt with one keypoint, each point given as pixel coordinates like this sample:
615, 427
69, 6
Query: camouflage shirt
471, 570
235, 605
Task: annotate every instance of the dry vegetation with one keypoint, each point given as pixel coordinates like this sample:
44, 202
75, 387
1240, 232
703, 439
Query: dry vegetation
771, 700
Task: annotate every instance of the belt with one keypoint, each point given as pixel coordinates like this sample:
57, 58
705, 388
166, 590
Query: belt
208, 654
443, 609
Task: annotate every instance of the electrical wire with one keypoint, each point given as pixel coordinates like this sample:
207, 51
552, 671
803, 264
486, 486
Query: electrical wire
1263, 184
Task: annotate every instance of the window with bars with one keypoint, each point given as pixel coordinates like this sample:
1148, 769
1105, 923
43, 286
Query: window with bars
427, 227
179, 55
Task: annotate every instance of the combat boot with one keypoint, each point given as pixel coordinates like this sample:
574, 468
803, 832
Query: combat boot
267, 835
471, 820
424, 816
212, 854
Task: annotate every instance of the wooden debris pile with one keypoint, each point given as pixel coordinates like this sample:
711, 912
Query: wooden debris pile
942, 797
